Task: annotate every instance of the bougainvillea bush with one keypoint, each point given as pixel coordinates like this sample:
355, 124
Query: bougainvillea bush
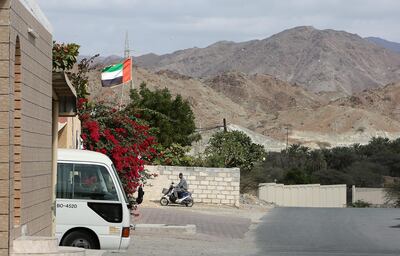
124, 138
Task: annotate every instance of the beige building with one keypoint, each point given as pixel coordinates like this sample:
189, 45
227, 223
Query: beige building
69, 132
31, 98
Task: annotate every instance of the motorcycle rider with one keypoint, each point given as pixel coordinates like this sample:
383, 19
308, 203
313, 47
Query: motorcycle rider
181, 187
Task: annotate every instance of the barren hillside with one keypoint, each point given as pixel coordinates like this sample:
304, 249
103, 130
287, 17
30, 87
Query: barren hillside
263, 106
262, 93
385, 100
331, 125
319, 60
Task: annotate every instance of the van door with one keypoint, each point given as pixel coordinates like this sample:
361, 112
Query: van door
87, 198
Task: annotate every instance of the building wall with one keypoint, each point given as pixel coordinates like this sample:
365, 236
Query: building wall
374, 196
208, 185
25, 152
4, 126
313, 195
36, 120
69, 135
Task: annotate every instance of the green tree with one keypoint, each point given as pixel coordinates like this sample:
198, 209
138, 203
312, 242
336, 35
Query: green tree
233, 149
261, 173
339, 158
80, 79
175, 155
64, 56
172, 117
331, 176
296, 176
360, 165
366, 174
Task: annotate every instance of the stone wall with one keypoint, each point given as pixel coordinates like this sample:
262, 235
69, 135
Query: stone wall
208, 185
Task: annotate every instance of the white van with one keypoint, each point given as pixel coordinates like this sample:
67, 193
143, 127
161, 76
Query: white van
92, 210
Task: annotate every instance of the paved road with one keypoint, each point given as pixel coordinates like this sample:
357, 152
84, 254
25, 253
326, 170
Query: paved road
323, 232
219, 226
220, 231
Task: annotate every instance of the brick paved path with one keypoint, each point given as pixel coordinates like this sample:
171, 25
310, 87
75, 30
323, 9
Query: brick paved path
216, 225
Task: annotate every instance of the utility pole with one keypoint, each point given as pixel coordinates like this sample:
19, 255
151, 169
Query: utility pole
127, 55
224, 123
287, 136
127, 52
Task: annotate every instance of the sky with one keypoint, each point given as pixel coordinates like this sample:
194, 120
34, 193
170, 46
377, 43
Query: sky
164, 26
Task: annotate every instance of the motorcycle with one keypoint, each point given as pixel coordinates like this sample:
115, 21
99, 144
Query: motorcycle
170, 198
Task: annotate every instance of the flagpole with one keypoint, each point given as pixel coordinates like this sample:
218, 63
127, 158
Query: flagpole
126, 56
122, 96
132, 84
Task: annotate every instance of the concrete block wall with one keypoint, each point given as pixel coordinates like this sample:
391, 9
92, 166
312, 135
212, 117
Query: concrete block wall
208, 185
310, 195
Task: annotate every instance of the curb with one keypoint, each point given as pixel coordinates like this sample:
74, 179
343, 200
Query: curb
89, 252
187, 229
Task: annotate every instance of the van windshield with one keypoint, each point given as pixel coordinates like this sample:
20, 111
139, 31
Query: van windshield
85, 181
120, 184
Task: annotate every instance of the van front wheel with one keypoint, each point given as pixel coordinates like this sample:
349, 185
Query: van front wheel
80, 239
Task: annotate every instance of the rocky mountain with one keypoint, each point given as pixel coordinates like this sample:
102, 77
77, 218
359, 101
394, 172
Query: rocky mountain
262, 93
393, 46
318, 60
385, 100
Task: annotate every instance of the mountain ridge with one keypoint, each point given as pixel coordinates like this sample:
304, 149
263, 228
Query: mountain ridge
319, 60
393, 46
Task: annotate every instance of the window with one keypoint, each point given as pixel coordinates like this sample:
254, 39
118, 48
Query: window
85, 181
120, 183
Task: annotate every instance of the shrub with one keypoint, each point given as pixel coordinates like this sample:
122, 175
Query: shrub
125, 139
393, 194
360, 204
233, 149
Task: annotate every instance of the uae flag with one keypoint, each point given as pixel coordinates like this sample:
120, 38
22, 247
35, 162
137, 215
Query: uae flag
117, 74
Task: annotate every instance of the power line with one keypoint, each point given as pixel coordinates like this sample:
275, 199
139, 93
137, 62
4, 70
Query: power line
224, 125
209, 128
